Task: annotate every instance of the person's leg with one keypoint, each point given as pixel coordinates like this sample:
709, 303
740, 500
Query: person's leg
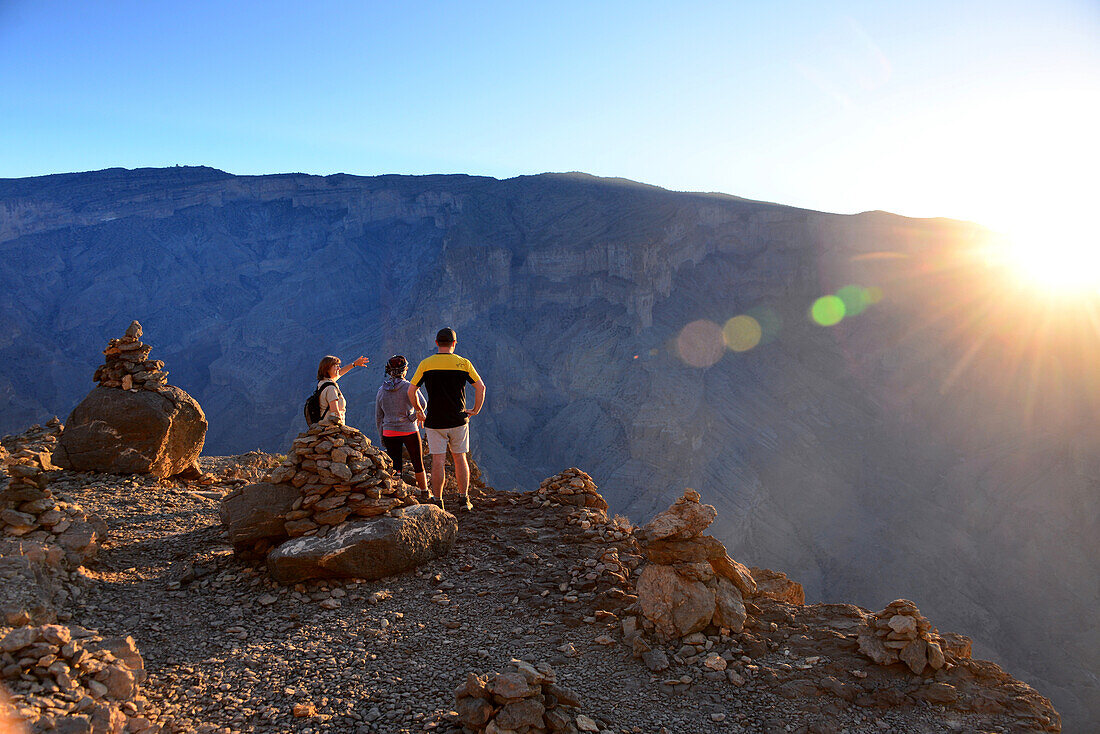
459, 445
437, 447
439, 470
393, 448
462, 472
416, 457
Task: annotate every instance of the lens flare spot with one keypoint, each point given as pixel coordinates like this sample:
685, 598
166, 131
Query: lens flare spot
827, 311
855, 299
873, 294
700, 343
742, 333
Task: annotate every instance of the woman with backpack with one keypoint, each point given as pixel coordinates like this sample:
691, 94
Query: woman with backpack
330, 401
395, 416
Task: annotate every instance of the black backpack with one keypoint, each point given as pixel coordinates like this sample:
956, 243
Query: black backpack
313, 410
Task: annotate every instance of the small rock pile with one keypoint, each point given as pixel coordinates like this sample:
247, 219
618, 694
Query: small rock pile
572, 487
524, 698
338, 474
690, 582
69, 679
128, 365
899, 633
29, 510
245, 468
37, 439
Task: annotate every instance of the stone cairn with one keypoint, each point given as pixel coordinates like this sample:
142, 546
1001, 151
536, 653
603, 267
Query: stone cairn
128, 365
575, 488
28, 509
572, 487
690, 582
899, 633
339, 473
524, 698
69, 679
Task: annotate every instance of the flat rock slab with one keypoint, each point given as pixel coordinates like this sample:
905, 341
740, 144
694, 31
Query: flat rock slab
367, 549
133, 432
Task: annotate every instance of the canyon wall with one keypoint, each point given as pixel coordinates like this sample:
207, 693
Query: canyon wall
939, 445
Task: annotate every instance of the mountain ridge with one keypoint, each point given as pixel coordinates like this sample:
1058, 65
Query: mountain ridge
830, 452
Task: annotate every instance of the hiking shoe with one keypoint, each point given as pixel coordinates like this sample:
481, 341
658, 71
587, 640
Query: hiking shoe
469, 505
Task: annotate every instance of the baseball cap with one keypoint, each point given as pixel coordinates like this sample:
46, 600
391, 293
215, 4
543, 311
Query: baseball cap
446, 335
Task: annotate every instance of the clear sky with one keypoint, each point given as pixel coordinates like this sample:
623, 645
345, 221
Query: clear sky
977, 110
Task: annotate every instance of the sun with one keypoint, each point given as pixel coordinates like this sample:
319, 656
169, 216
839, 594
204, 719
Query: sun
1062, 259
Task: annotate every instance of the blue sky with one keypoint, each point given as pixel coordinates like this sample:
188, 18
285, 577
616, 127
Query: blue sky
977, 110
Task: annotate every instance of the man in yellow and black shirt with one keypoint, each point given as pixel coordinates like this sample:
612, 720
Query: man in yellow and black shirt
444, 376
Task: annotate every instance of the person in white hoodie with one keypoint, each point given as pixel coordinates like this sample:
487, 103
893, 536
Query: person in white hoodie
395, 417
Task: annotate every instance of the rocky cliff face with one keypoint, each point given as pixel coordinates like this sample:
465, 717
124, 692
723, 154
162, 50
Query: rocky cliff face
937, 446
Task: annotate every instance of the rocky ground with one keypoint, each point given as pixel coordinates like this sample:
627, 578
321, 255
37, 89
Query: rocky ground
228, 650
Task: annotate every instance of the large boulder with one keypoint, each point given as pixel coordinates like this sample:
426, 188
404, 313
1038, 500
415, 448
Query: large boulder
257, 512
685, 519
133, 432
367, 549
729, 606
675, 605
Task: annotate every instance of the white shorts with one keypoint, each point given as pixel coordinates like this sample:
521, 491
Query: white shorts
456, 439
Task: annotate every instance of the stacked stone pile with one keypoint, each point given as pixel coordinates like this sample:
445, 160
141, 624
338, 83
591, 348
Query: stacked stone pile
36, 439
68, 679
690, 582
127, 365
575, 488
572, 487
899, 633
524, 698
339, 474
29, 510
133, 421
335, 509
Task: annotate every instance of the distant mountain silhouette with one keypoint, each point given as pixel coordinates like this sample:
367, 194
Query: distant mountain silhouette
937, 445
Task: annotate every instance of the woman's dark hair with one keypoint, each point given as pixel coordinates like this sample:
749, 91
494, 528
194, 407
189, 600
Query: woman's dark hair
327, 363
396, 365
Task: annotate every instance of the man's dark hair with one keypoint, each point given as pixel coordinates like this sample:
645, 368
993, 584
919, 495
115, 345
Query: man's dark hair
446, 335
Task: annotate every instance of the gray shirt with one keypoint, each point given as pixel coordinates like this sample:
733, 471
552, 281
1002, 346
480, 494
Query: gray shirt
393, 411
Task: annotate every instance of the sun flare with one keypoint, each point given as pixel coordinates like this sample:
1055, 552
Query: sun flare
1062, 260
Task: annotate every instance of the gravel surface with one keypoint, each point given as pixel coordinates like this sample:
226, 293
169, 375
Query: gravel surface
228, 650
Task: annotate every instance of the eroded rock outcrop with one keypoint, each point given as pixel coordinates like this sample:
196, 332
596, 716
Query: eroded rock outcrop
775, 585
133, 422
